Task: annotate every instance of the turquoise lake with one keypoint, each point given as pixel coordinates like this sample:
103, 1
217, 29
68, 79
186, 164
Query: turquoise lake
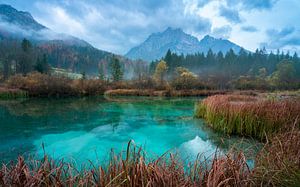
87, 129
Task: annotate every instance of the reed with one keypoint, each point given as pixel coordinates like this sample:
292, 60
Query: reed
12, 93
248, 115
131, 170
277, 164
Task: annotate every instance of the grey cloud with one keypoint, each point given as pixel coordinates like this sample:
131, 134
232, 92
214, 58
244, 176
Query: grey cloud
230, 14
249, 28
286, 37
253, 4
117, 25
222, 32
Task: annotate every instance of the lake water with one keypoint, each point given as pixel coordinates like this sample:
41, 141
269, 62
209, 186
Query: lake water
88, 128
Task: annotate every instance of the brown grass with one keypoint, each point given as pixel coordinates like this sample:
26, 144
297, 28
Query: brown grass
9, 93
248, 115
40, 85
277, 164
133, 170
152, 92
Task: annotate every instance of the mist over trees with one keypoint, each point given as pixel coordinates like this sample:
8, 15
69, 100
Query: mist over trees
116, 70
21, 57
244, 70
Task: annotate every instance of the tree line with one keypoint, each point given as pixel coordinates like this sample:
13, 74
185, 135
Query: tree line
243, 70
21, 58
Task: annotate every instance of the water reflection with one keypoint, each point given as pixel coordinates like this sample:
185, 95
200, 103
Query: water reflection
87, 128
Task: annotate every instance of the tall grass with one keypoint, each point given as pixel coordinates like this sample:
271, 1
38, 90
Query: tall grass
248, 115
12, 93
277, 164
131, 170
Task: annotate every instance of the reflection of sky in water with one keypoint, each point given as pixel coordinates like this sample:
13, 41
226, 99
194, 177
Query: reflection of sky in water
89, 128
96, 144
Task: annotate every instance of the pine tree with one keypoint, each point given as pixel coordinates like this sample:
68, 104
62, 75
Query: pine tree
25, 65
116, 70
101, 71
42, 66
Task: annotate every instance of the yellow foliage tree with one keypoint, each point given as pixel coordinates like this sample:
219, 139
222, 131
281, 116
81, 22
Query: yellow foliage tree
185, 79
160, 71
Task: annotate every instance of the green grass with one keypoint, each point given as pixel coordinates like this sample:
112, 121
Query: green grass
13, 94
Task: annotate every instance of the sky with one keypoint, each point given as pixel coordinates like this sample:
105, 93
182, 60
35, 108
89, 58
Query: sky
119, 25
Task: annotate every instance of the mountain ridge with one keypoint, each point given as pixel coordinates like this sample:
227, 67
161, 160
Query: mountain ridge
17, 24
20, 18
175, 39
63, 50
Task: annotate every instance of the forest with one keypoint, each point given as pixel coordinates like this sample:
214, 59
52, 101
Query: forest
246, 70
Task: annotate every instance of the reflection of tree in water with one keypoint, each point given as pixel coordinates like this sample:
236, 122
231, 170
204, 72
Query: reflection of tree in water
46, 106
72, 113
23, 121
27, 120
51, 113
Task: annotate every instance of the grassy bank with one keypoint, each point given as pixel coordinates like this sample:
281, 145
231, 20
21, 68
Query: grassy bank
249, 115
43, 85
165, 93
254, 116
276, 165
6, 93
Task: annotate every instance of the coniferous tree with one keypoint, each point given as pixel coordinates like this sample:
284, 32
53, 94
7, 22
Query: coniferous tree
101, 72
42, 66
25, 61
116, 70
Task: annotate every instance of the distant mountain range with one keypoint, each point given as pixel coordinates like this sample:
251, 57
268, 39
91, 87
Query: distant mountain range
68, 52
157, 45
64, 51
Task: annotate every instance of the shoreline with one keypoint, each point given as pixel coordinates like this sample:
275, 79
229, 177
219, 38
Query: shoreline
14, 93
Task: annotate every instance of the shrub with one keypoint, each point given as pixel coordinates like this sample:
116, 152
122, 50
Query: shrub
37, 84
185, 79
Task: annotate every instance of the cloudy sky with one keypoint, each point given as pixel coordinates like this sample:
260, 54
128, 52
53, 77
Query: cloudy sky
118, 25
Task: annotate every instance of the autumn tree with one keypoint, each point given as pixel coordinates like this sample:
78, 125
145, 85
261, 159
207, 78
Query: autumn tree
184, 79
160, 71
284, 75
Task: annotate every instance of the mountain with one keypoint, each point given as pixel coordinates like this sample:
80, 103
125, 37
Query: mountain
157, 45
23, 19
18, 25
64, 51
